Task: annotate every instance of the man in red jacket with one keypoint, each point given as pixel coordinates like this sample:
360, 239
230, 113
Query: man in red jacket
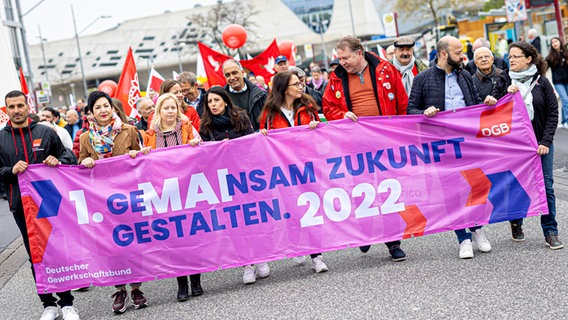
364, 85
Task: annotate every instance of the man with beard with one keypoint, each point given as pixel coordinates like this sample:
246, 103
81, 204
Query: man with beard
405, 62
445, 86
24, 142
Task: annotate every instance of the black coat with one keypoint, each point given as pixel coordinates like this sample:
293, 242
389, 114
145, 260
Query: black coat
218, 133
545, 107
495, 86
428, 89
257, 98
69, 127
31, 144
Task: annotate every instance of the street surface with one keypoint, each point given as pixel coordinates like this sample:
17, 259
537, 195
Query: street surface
515, 281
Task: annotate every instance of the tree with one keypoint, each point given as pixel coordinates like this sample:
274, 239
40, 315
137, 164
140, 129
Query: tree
414, 9
209, 28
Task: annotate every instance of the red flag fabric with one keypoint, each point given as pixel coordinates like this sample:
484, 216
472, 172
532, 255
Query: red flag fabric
128, 91
263, 64
26, 91
154, 81
213, 63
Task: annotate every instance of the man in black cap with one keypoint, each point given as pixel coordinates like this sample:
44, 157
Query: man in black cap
333, 64
405, 62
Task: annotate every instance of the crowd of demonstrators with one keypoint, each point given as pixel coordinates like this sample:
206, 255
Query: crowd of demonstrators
174, 87
445, 86
193, 95
359, 84
244, 93
528, 77
558, 64
364, 85
289, 106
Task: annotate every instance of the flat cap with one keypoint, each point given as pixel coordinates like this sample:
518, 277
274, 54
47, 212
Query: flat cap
404, 42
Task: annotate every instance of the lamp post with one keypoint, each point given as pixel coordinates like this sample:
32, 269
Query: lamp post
43, 54
79, 46
181, 45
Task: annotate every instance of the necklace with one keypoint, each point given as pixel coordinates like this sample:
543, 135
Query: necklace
287, 113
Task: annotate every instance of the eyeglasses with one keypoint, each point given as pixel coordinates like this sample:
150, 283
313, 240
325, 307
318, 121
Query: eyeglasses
297, 85
516, 57
184, 91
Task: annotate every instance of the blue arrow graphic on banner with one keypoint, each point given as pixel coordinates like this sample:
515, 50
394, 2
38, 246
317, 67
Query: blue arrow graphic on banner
50, 198
509, 199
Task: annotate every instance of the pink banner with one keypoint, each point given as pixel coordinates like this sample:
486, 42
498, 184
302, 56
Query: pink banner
296, 191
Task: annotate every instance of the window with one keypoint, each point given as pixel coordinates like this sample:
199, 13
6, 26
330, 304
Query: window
112, 52
148, 38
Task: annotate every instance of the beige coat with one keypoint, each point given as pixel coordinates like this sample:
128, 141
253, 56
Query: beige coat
125, 140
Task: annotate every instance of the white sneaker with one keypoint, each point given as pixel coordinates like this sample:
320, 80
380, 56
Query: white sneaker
300, 259
249, 276
70, 313
466, 249
50, 313
318, 265
481, 241
263, 270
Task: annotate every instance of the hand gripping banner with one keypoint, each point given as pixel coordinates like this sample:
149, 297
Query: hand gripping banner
296, 191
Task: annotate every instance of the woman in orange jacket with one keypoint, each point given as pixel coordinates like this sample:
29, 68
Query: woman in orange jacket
169, 127
288, 106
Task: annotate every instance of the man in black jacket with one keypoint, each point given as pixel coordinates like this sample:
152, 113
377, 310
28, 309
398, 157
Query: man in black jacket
23, 142
497, 61
488, 79
243, 93
445, 86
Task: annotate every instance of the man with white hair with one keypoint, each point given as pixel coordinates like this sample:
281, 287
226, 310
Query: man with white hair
488, 79
497, 61
534, 39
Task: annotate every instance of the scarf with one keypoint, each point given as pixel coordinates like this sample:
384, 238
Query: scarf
317, 84
170, 138
491, 74
102, 138
221, 121
523, 80
406, 72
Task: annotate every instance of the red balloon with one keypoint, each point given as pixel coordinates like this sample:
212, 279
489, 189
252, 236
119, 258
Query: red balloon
234, 36
109, 87
288, 48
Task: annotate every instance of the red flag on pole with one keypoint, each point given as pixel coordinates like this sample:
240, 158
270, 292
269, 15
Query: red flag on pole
263, 64
26, 91
154, 81
213, 64
128, 90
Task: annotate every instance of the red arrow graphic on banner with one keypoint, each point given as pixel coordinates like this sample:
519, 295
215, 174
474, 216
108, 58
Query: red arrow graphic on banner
415, 221
480, 186
38, 229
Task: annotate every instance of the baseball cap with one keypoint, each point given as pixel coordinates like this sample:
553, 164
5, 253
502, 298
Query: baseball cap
280, 58
404, 42
301, 73
334, 62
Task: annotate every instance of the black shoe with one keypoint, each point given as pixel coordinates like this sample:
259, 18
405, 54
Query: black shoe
183, 292
517, 232
196, 289
396, 253
365, 249
553, 242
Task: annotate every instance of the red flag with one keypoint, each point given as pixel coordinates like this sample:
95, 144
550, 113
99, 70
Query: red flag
128, 90
263, 64
213, 63
26, 91
382, 52
154, 81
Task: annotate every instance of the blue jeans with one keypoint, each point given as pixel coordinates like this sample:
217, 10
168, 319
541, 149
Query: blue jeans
547, 222
562, 90
464, 235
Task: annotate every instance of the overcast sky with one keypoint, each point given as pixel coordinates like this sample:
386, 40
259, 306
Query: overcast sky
56, 22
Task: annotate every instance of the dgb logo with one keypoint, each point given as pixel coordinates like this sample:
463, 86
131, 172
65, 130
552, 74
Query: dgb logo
496, 122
